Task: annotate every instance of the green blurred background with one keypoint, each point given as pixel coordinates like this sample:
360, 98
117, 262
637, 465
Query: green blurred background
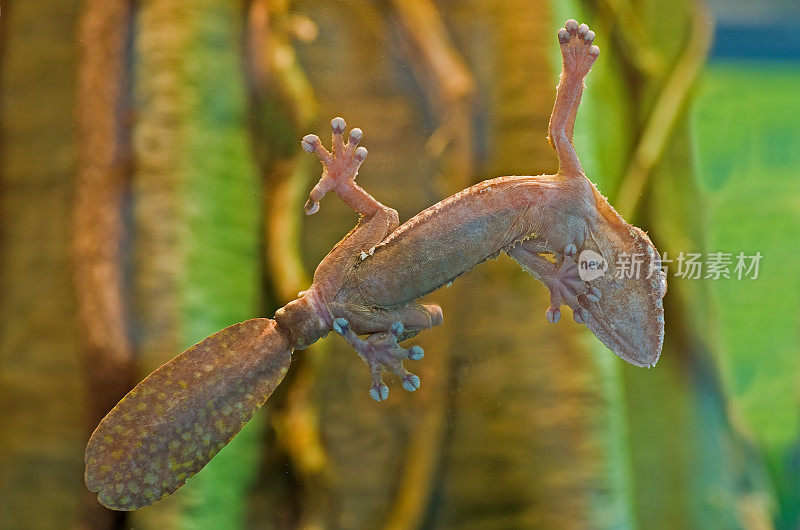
152, 192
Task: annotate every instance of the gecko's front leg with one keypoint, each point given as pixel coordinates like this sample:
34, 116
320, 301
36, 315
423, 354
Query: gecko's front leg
383, 327
629, 316
561, 278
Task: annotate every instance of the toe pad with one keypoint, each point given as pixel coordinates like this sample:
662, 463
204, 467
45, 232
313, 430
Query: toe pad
338, 125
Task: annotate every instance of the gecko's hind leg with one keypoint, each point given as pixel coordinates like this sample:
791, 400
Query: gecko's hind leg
382, 353
414, 317
578, 54
562, 279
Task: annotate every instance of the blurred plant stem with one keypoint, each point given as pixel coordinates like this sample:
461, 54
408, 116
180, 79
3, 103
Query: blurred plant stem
667, 109
98, 234
196, 214
636, 44
284, 108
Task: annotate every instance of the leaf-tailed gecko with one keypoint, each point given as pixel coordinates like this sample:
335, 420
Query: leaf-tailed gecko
366, 290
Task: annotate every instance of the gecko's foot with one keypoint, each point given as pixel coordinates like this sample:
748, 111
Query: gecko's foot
577, 51
567, 287
382, 353
339, 167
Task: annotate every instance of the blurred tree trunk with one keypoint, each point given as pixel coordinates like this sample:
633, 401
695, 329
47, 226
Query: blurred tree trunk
99, 209
196, 208
42, 397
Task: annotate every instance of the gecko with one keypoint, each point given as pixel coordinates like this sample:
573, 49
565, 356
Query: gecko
367, 289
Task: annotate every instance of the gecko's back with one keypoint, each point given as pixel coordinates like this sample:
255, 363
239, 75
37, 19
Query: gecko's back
482, 220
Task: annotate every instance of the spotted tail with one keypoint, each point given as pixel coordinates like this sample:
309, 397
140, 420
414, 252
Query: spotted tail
168, 427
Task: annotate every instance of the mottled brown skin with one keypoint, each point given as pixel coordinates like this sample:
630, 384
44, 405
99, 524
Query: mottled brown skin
169, 426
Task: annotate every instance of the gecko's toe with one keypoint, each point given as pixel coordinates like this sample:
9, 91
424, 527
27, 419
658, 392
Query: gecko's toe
580, 315
411, 382
593, 294
309, 143
341, 326
338, 125
415, 353
397, 328
553, 314
355, 136
361, 154
570, 250
577, 51
571, 25
379, 392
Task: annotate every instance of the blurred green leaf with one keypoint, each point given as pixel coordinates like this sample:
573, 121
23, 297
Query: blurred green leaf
747, 139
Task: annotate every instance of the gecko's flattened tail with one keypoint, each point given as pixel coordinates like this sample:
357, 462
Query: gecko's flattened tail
168, 427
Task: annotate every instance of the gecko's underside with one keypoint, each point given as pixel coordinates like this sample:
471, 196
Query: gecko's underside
168, 427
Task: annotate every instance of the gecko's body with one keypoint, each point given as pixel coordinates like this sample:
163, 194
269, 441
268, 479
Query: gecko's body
169, 426
484, 220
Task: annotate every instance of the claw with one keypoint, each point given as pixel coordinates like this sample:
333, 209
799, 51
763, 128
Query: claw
311, 207
552, 315
415, 353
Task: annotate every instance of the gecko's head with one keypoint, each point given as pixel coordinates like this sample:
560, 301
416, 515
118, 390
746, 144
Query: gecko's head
629, 318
